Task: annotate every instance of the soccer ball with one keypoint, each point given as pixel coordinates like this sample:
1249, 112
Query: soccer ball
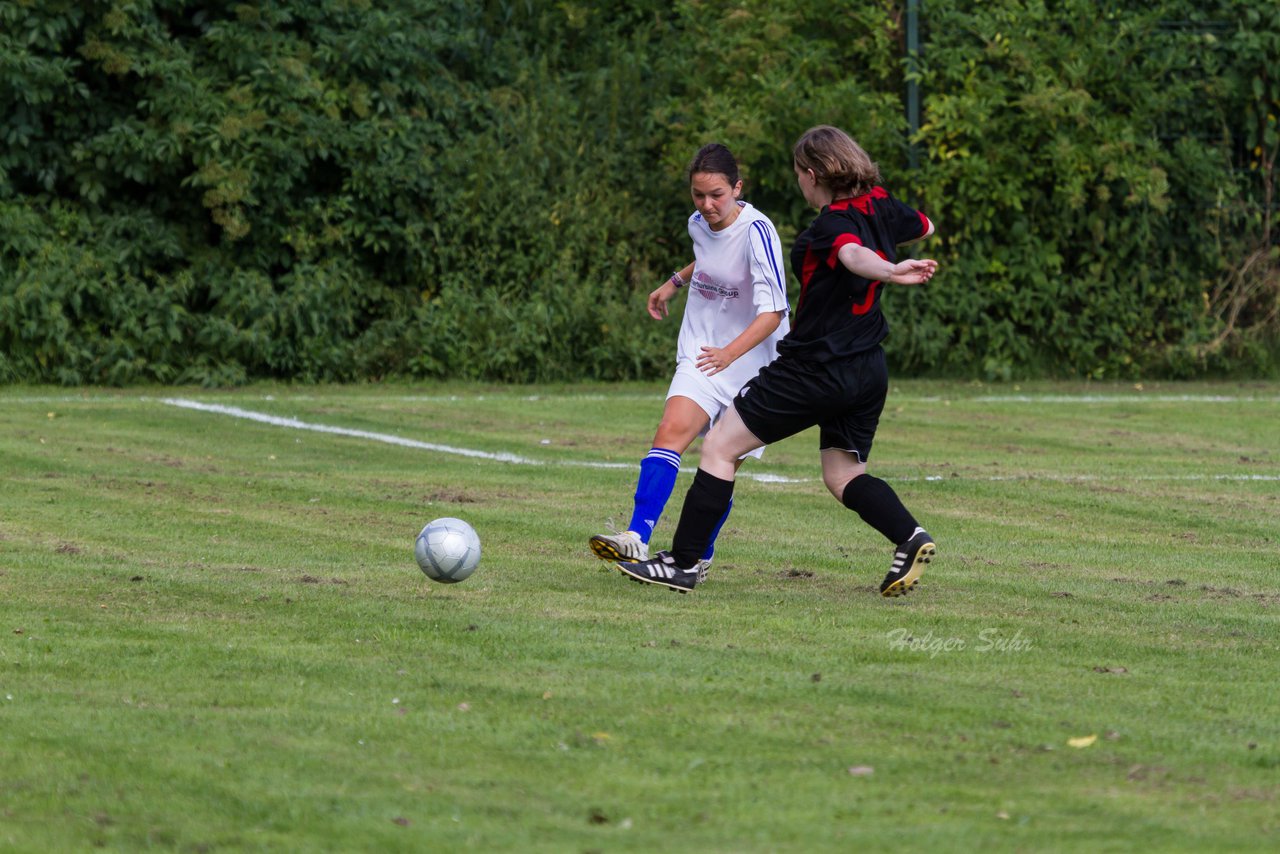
448, 550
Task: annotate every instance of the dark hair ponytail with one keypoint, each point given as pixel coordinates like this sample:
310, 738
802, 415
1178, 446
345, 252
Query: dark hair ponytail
714, 158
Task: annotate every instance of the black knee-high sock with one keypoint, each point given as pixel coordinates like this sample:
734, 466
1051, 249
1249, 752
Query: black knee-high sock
704, 506
879, 506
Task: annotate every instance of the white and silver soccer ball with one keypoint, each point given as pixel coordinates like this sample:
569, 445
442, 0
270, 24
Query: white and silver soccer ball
448, 550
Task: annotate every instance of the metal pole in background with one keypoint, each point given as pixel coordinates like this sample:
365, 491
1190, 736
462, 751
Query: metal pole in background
913, 88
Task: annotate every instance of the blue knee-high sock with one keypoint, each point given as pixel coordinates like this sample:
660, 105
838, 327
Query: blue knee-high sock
658, 472
711, 546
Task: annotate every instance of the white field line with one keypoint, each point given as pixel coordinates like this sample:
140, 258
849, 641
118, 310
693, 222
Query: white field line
992, 399
1110, 398
387, 438
762, 477
896, 398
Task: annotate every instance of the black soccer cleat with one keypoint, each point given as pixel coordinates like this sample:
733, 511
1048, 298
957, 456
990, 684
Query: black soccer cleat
908, 564
661, 569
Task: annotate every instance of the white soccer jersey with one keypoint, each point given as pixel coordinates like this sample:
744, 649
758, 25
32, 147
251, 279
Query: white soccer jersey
738, 273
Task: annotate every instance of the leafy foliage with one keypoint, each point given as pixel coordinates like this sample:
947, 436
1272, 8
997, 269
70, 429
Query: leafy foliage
1082, 167
342, 190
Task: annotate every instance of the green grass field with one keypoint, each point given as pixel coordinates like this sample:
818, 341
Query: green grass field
213, 635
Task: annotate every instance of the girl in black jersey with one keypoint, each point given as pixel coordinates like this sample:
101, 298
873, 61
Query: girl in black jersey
830, 369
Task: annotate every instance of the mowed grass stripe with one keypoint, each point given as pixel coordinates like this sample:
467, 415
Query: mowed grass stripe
215, 637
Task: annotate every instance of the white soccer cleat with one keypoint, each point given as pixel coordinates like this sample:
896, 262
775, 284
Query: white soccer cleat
623, 547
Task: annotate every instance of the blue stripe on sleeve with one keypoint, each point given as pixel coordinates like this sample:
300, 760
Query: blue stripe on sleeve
762, 230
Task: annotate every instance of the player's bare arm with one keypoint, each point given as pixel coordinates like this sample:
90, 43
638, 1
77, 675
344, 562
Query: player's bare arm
863, 262
713, 360
659, 298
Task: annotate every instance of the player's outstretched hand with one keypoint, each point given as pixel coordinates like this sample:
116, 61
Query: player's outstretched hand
913, 271
658, 300
713, 360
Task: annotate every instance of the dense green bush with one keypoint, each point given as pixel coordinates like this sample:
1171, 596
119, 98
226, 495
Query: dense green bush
1083, 163
344, 190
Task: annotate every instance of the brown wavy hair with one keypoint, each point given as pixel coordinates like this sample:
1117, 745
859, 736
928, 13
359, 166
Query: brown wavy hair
837, 161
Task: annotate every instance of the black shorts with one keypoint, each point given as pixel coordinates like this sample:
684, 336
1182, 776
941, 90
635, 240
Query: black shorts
844, 398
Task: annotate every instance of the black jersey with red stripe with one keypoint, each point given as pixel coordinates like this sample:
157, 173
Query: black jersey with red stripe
838, 313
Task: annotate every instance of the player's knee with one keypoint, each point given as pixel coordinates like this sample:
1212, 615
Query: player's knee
837, 477
665, 437
836, 482
675, 433
715, 447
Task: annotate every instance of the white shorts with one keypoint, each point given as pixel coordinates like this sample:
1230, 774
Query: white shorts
712, 396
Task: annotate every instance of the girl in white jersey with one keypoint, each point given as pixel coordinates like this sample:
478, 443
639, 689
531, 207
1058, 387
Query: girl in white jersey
734, 317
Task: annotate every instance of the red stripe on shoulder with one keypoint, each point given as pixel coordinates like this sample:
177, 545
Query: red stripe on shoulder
841, 241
